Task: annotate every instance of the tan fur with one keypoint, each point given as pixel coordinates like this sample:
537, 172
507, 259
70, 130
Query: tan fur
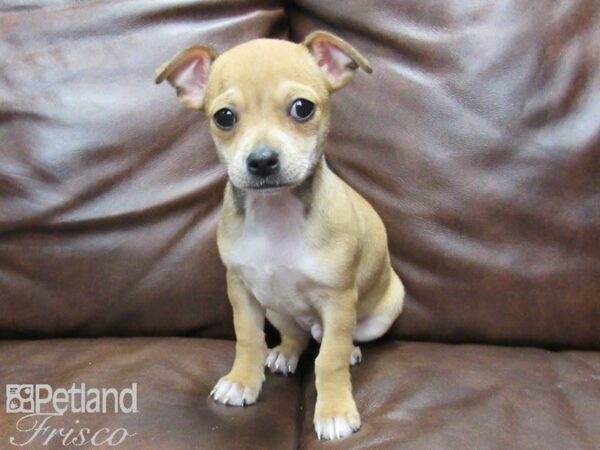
349, 275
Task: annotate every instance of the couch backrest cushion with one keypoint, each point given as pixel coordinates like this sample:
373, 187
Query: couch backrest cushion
109, 189
477, 138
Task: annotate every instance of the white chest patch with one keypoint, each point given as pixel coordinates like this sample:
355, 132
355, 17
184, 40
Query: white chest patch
271, 254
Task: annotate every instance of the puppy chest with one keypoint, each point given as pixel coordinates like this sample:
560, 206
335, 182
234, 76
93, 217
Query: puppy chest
277, 272
272, 257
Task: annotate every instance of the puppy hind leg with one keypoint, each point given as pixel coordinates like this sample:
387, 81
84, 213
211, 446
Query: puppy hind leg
355, 356
284, 357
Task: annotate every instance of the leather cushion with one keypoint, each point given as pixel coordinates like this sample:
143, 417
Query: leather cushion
477, 140
435, 396
174, 377
110, 189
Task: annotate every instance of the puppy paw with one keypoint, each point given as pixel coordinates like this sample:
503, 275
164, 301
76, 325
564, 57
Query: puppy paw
282, 360
355, 356
235, 393
337, 426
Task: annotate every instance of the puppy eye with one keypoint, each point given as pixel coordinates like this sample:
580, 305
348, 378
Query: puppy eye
225, 119
302, 110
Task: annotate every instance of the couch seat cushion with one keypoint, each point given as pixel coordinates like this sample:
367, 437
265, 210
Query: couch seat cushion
174, 377
435, 396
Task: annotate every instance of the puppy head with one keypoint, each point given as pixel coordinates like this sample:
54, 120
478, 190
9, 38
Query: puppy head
268, 101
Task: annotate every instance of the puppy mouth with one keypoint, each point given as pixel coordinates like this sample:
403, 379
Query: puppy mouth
268, 186
274, 182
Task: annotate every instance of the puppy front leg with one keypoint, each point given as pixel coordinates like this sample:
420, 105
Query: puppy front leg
241, 386
336, 415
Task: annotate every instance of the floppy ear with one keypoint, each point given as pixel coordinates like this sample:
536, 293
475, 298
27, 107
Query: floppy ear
188, 72
335, 57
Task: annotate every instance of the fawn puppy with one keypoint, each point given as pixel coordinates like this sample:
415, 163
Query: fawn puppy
301, 247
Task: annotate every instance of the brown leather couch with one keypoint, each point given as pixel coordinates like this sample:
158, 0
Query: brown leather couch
477, 139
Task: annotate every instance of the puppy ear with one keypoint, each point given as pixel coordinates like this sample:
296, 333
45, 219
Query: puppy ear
188, 72
335, 57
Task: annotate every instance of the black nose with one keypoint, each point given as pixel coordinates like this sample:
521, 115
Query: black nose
263, 162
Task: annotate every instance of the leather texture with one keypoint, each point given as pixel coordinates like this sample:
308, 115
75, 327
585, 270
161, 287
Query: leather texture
174, 377
109, 189
423, 396
477, 139
410, 395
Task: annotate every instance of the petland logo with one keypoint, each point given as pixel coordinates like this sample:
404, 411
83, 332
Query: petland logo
42, 405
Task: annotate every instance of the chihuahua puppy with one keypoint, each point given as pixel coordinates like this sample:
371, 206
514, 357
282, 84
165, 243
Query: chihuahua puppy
301, 247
